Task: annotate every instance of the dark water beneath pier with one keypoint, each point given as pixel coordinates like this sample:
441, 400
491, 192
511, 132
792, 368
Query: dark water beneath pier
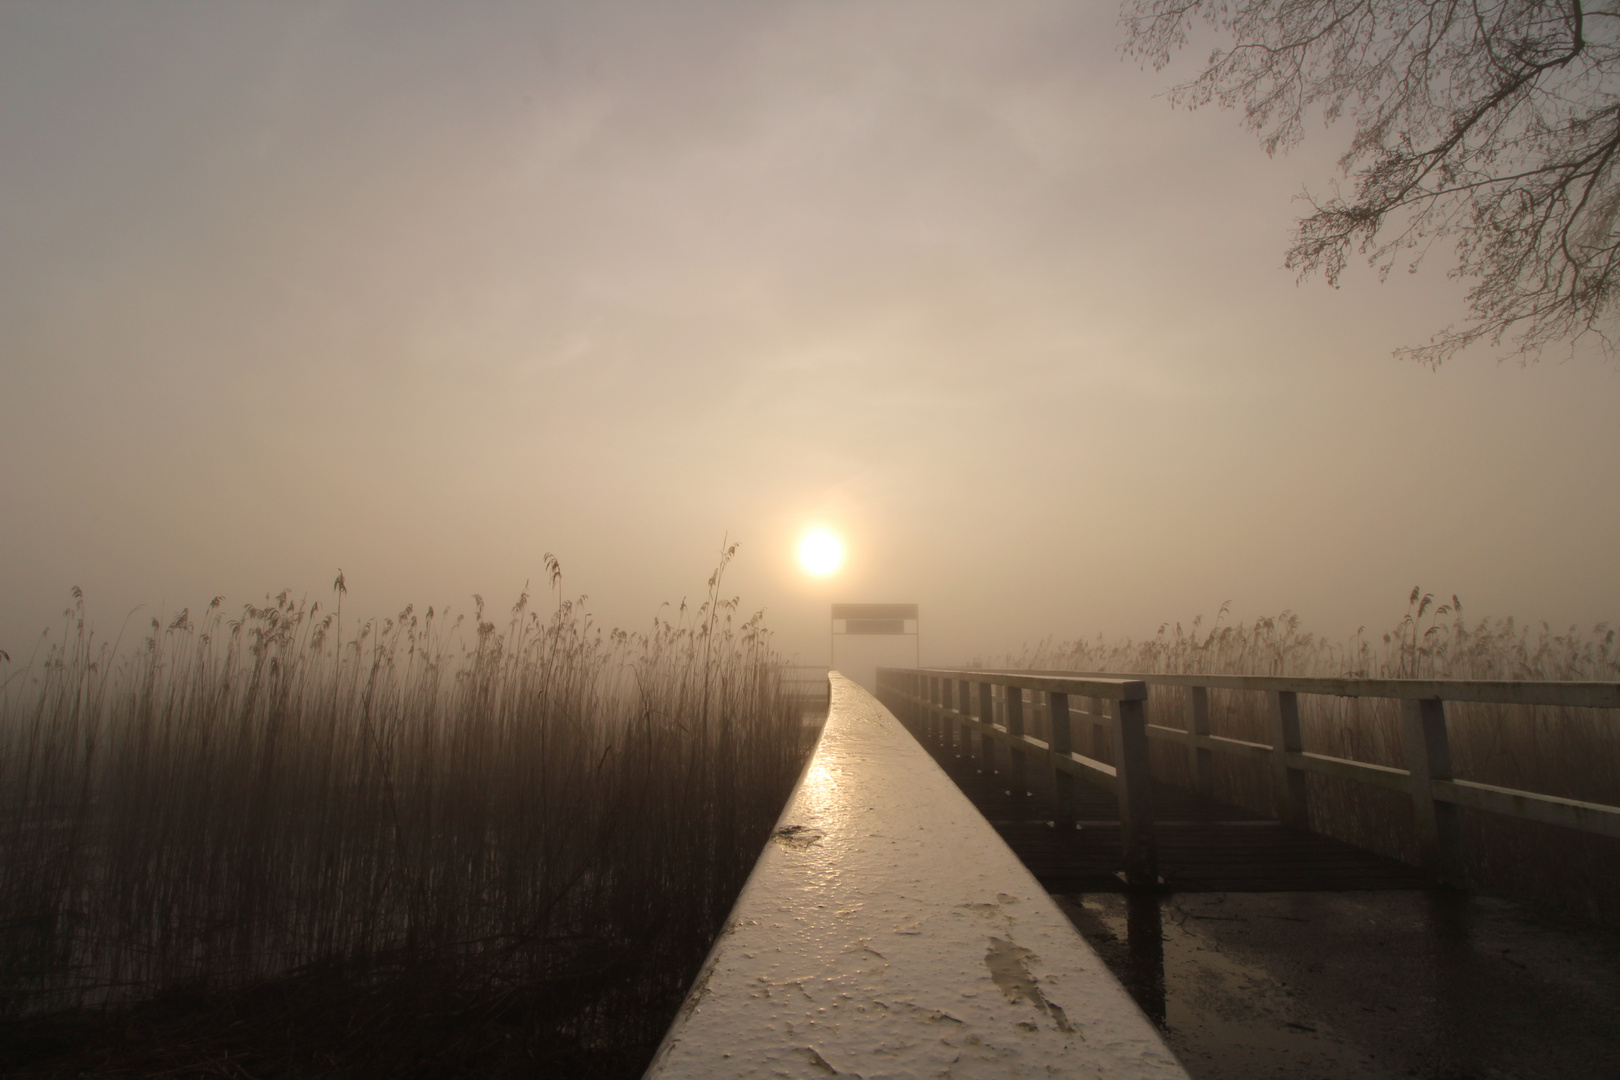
1363, 984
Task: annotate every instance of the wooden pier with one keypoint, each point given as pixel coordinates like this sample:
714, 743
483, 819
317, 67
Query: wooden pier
886, 930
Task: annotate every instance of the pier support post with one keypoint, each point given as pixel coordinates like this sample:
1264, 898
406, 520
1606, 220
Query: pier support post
1134, 780
935, 708
987, 717
1013, 702
1428, 756
1201, 758
1287, 783
1101, 714
1057, 710
964, 706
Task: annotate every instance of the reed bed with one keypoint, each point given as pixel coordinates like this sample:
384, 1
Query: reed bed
269, 843
1573, 753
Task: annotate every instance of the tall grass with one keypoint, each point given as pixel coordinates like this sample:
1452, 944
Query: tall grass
1573, 753
489, 843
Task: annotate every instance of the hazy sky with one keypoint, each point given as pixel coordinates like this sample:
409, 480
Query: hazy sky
424, 291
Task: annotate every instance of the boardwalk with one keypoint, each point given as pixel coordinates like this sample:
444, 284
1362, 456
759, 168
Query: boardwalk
887, 931
1257, 947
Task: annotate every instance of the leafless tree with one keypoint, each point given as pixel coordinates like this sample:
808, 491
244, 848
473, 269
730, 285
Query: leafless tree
1492, 125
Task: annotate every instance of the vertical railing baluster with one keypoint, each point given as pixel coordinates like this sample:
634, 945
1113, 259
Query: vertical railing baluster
1201, 758
1057, 711
964, 706
925, 706
931, 719
987, 717
1014, 708
1100, 718
1133, 779
1428, 756
935, 716
1287, 782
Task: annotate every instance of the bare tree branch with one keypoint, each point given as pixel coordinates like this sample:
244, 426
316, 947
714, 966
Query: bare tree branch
1493, 125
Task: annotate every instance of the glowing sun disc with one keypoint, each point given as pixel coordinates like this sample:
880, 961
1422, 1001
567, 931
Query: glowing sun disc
820, 552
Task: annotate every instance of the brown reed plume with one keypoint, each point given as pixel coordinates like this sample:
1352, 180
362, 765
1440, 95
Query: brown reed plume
456, 846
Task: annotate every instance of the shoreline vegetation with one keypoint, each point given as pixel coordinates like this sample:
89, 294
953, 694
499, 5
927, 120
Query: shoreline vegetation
1568, 752
270, 843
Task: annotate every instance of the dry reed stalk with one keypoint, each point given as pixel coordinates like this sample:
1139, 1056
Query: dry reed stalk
540, 816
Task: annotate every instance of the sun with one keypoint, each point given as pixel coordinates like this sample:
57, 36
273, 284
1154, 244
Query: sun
820, 552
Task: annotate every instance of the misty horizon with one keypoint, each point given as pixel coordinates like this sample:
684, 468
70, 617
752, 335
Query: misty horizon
425, 295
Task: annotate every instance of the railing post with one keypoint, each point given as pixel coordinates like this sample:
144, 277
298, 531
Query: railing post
1428, 756
944, 735
933, 708
1013, 697
1201, 758
964, 705
1057, 708
919, 704
1287, 783
1134, 781
987, 717
1099, 731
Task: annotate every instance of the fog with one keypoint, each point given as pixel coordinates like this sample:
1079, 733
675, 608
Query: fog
424, 292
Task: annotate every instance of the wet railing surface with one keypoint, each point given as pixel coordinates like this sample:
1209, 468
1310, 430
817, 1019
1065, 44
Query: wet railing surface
888, 931
942, 703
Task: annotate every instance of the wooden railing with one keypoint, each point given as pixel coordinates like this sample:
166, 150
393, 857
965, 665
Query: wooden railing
947, 703
943, 702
